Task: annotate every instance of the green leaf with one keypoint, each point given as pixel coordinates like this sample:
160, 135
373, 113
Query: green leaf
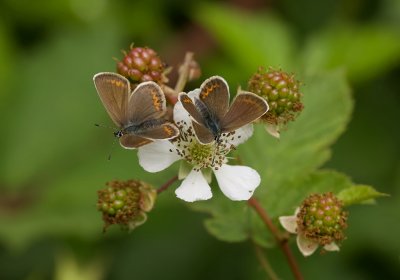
55, 159
359, 194
53, 111
287, 166
6, 66
365, 51
250, 40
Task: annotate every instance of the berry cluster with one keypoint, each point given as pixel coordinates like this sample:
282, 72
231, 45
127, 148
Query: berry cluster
322, 219
281, 91
141, 65
125, 203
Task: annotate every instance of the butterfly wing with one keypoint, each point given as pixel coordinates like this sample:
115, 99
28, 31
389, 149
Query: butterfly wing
189, 106
164, 130
246, 108
146, 102
214, 93
204, 135
131, 141
113, 90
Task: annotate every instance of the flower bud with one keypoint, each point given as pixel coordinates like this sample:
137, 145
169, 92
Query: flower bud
282, 92
141, 65
322, 219
125, 203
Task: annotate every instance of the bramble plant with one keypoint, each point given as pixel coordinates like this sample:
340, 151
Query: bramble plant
267, 177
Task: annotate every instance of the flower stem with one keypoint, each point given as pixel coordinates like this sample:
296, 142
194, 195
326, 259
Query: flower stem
171, 94
167, 184
264, 263
280, 239
184, 73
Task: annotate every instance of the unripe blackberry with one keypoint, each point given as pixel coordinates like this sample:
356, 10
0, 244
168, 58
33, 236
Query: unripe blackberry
125, 203
141, 65
322, 219
282, 93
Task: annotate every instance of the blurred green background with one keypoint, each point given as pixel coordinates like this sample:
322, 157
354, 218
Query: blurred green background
53, 159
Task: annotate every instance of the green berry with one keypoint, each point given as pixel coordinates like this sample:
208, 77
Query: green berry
104, 207
121, 194
280, 87
111, 211
322, 219
125, 202
118, 204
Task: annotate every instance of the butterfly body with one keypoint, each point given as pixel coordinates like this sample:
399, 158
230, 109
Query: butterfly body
210, 121
138, 114
211, 114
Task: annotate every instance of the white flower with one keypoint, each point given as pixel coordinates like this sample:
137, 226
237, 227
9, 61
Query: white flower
236, 182
306, 246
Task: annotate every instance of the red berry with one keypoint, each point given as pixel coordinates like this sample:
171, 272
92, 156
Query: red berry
140, 65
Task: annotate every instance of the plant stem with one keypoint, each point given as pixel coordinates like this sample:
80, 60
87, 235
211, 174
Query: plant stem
171, 94
184, 73
280, 239
167, 184
264, 263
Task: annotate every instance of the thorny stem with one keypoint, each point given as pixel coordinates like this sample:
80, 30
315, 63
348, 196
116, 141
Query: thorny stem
264, 263
280, 239
167, 184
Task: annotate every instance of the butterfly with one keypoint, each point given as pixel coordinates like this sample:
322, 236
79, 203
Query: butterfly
211, 114
139, 115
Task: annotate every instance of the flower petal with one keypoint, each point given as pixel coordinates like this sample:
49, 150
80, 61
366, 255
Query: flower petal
194, 187
289, 223
331, 247
241, 135
157, 156
306, 246
180, 114
237, 182
194, 93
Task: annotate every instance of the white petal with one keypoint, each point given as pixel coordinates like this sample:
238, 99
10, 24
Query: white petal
237, 182
331, 247
194, 187
245, 132
289, 223
157, 156
194, 93
180, 114
306, 246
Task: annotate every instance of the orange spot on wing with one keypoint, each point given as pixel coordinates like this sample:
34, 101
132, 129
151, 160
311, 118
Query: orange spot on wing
168, 130
156, 100
186, 99
206, 91
116, 83
250, 101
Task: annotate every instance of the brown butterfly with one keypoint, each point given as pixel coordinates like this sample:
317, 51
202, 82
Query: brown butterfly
211, 114
138, 114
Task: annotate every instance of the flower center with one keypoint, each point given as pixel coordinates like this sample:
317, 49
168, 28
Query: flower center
199, 155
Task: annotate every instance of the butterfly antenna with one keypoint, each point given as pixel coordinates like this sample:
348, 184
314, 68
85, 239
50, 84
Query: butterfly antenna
111, 149
102, 125
113, 144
